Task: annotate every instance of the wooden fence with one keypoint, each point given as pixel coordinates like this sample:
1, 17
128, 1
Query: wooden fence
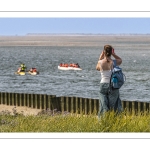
69, 104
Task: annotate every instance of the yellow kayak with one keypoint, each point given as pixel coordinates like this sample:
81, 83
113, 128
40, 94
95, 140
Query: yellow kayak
20, 73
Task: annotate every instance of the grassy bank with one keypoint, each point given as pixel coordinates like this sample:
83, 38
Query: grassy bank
51, 121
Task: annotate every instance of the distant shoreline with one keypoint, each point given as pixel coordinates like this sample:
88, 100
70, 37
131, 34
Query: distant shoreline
70, 40
72, 34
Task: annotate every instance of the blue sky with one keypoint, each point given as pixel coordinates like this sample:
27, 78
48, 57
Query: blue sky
22, 26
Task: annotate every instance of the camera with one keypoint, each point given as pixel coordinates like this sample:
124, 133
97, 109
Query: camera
113, 50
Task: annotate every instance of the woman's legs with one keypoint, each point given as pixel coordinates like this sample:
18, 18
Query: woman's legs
108, 101
103, 99
115, 101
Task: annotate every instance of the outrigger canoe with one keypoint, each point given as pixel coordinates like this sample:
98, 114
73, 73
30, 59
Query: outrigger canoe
68, 68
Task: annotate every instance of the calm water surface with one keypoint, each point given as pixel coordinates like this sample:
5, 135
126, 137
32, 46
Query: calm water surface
83, 83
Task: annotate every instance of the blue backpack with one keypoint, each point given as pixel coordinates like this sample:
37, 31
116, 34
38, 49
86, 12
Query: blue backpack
117, 77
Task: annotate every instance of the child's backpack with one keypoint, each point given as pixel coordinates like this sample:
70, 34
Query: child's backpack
117, 77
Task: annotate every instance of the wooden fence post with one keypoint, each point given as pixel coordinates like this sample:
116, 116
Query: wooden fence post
123, 105
9, 99
40, 101
144, 107
136, 107
147, 107
27, 100
85, 106
90, 106
24, 99
32, 100
77, 107
20, 99
81, 106
35, 101
13, 99
95, 106
5, 98
139, 108
127, 107
0, 98
16, 99
67, 104
132, 107
44, 102
72, 106
62, 104
49, 102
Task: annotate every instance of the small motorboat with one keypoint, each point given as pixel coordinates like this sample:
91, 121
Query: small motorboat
20, 73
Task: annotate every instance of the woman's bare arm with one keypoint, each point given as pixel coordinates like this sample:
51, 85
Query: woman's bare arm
98, 66
101, 56
118, 59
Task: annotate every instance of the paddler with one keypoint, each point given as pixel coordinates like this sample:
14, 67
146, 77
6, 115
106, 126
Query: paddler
23, 68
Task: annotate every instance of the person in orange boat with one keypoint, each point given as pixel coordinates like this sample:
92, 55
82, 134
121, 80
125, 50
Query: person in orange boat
65, 65
61, 64
71, 65
76, 65
33, 70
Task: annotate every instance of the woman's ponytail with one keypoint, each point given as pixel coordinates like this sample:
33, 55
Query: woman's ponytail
108, 51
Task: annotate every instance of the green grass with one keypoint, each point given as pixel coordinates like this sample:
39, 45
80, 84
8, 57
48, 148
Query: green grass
49, 122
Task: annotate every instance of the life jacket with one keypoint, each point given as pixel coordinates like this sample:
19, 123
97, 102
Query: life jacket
34, 70
23, 67
75, 66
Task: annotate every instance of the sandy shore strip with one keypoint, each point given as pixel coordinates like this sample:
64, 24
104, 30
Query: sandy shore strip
69, 40
23, 110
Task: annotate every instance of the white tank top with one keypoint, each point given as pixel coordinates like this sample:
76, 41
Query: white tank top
105, 75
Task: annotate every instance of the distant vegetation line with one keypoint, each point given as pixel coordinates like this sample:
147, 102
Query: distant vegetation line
85, 34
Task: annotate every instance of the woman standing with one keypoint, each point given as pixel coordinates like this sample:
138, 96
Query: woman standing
108, 100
